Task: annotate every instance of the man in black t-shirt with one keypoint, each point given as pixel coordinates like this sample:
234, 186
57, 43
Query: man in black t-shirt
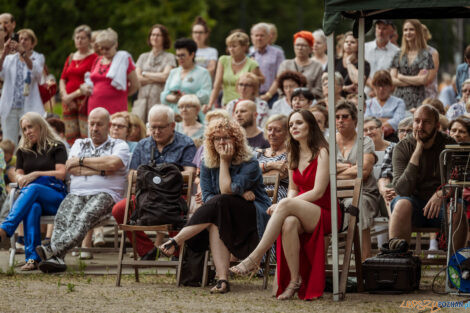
245, 114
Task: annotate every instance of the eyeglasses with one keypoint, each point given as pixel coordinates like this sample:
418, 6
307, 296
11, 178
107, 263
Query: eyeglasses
301, 89
300, 46
342, 116
106, 48
405, 130
187, 107
242, 85
159, 128
226, 138
370, 129
118, 126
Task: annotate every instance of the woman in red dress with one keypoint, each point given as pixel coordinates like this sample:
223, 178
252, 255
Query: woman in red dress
113, 76
299, 221
73, 75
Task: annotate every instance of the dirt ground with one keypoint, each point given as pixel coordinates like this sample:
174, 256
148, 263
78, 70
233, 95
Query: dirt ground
76, 291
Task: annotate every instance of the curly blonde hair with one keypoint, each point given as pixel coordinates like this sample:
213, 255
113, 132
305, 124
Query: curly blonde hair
242, 150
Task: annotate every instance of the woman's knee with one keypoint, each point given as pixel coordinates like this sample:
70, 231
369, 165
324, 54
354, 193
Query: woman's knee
291, 224
284, 206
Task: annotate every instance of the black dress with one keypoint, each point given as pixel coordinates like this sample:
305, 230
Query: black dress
236, 219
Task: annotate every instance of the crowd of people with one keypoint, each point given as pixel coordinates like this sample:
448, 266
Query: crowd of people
230, 120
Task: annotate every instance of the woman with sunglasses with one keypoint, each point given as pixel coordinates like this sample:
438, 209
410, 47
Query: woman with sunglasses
248, 88
112, 76
346, 151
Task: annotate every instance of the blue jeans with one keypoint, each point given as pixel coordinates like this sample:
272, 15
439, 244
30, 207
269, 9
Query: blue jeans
34, 200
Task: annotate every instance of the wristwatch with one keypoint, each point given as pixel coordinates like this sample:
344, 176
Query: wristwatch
80, 161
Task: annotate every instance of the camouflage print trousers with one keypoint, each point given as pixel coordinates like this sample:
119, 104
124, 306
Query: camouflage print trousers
75, 217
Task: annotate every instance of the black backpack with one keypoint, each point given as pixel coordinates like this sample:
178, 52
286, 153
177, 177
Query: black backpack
158, 195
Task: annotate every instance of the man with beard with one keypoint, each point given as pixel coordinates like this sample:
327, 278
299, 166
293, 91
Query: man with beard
416, 179
245, 114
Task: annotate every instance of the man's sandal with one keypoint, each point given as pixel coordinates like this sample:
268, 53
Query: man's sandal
222, 286
165, 248
245, 267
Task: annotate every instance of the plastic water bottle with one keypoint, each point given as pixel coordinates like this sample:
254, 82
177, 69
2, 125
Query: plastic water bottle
27, 82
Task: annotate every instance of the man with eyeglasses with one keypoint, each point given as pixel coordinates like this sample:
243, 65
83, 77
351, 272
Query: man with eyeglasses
417, 181
168, 146
98, 168
460, 108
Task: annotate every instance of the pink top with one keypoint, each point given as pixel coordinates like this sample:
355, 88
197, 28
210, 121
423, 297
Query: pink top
104, 95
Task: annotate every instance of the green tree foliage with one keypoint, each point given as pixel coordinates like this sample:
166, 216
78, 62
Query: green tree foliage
54, 21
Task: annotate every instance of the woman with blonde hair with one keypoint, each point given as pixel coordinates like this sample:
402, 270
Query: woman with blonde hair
138, 130
234, 200
74, 108
411, 65
230, 67
248, 89
112, 76
40, 171
189, 107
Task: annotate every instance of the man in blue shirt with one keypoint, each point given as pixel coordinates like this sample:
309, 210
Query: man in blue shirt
169, 147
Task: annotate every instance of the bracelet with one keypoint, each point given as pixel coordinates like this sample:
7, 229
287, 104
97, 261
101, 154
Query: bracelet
80, 161
103, 173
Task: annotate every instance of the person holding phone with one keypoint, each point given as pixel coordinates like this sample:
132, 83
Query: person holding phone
21, 70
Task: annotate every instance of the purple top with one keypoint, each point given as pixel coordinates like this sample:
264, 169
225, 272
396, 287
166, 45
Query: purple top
269, 62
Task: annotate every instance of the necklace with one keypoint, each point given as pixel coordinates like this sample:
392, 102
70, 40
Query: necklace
238, 63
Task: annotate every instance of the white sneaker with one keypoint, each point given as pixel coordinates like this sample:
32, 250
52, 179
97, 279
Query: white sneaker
75, 253
19, 248
99, 239
85, 255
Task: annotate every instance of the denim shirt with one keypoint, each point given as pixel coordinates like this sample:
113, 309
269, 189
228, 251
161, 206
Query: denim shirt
180, 151
245, 176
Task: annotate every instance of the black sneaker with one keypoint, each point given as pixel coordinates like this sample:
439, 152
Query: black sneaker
53, 265
151, 255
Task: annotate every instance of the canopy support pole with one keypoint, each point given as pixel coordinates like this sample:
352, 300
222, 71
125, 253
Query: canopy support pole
332, 148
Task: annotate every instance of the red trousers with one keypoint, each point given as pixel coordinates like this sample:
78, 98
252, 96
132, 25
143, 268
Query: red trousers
143, 242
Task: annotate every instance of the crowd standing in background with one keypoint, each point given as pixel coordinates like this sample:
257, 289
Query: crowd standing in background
229, 118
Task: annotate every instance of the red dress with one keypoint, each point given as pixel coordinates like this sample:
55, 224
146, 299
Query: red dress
75, 114
312, 246
104, 95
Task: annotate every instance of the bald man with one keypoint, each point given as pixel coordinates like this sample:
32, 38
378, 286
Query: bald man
7, 20
416, 179
98, 169
245, 114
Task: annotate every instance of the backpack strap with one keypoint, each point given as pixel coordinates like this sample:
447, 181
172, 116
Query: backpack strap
152, 156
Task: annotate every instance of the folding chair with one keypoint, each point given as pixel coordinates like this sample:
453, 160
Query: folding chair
131, 190
350, 188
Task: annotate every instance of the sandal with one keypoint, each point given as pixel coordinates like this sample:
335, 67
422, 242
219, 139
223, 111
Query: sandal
219, 287
31, 265
167, 246
290, 290
245, 267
